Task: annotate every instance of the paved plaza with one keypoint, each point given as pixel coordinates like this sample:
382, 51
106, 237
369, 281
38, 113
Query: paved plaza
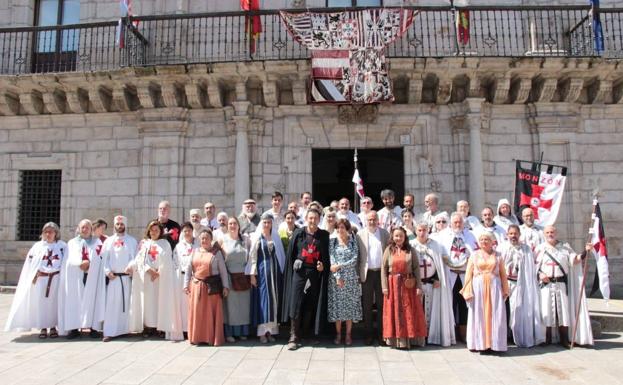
24, 359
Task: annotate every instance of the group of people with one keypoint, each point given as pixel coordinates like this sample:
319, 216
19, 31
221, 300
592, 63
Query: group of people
412, 278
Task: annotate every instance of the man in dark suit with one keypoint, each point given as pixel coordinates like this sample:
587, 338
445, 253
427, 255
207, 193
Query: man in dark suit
372, 243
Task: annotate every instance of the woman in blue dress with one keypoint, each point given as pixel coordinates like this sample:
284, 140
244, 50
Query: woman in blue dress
344, 288
266, 261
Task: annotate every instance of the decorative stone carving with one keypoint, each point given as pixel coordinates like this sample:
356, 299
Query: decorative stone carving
572, 90
415, 89
195, 94
77, 100
501, 90
353, 114
444, 92
100, 98
55, 101
545, 91
144, 92
520, 90
271, 95
215, 96
32, 102
602, 93
299, 92
9, 103
119, 99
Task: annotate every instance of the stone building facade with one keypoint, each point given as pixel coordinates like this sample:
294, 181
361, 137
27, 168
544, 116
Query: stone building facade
126, 138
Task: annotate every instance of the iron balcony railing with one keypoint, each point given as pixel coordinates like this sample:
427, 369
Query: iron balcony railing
220, 37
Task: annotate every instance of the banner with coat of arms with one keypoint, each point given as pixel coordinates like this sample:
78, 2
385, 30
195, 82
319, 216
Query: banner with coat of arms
348, 52
539, 189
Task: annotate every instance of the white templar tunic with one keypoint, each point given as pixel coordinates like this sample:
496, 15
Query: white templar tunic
437, 300
182, 256
559, 299
525, 311
81, 299
35, 305
154, 303
531, 236
117, 254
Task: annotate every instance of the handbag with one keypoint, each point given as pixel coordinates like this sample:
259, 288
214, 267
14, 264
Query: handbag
409, 281
214, 283
240, 281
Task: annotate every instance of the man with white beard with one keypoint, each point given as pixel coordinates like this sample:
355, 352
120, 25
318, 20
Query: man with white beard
196, 221
471, 222
249, 218
531, 233
560, 277
117, 254
81, 292
219, 232
459, 244
523, 305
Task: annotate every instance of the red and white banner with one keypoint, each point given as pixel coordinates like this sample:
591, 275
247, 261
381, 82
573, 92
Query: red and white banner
542, 191
598, 240
358, 184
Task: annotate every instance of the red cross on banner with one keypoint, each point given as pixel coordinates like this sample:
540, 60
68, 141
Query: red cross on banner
534, 201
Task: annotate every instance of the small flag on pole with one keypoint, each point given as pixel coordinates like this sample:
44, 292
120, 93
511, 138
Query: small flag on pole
598, 240
358, 184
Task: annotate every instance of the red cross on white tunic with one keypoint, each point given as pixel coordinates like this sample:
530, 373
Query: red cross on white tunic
553, 265
457, 251
118, 243
98, 249
153, 252
85, 253
50, 258
534, 201
425, 265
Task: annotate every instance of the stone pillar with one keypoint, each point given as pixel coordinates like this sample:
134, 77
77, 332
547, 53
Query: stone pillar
242, 176
476, 173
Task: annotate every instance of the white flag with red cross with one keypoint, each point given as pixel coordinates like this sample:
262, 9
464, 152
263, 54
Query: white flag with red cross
541, 190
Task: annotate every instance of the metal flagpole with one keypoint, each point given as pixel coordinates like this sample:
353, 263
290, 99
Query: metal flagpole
356, 196
584, 268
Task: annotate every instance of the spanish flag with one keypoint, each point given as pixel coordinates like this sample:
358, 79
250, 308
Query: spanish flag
253, 24
462, 26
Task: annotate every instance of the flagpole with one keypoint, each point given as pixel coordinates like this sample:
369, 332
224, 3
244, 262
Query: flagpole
584, 268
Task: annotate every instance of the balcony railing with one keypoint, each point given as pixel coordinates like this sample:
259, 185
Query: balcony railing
221, 37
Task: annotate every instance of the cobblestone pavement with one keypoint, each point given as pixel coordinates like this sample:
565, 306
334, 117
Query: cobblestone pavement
26, 360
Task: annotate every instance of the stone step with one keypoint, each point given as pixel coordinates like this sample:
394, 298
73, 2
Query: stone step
609, 314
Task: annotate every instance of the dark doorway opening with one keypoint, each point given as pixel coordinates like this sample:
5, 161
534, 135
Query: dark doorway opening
332, 174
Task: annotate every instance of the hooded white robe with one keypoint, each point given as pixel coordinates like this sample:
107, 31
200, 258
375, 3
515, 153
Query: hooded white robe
155, 303
524, 300
31, 308
441, 317
81, 304
117, 254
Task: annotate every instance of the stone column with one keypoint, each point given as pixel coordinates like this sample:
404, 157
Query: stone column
473, 121
242, 175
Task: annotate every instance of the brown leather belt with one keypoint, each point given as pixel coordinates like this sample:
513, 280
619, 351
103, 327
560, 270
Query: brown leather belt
44, 274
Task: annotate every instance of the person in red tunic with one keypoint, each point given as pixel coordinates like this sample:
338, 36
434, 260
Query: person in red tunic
206, 282
404, 322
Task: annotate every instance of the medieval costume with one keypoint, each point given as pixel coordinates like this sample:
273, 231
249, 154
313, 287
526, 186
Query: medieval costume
524, 302
237, 305
404, 322
437, 301
485, 289
117, 254
206, 278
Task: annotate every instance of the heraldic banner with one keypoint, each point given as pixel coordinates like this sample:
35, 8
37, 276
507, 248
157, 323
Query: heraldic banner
539, 189
348, 52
